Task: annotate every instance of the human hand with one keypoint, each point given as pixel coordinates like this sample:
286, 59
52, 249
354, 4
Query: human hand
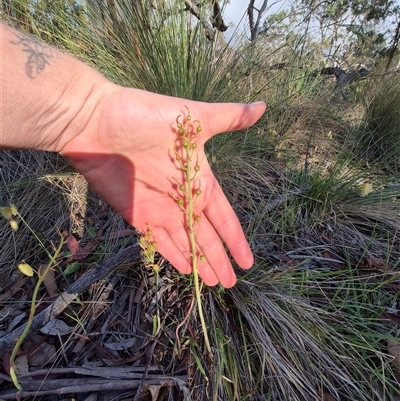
126, 154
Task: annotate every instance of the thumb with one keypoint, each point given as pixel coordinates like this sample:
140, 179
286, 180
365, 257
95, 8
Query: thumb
225, 117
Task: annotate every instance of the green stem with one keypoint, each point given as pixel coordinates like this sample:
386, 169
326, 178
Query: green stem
156, 319
35, 235
193, 250
21, 339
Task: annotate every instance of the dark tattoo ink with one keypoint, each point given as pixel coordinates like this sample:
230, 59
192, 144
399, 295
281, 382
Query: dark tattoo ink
39, 54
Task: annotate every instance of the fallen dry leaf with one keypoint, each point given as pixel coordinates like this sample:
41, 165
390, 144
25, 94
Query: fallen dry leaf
78, 252
6, 362
392, 318
394, 351
328, 397
154, 391
49, 282
373, 262
56, 327
45, 353
121, 345
21, 364
14, 322
14, 289
72, 244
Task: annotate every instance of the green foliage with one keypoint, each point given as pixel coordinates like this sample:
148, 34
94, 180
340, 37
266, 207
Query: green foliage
56, 22
160, 49
377, 139
328, 189
289, 325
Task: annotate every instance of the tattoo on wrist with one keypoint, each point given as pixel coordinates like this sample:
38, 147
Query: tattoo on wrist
40, 54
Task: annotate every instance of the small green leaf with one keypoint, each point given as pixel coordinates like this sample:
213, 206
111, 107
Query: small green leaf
196, 357
91, 232
71, 268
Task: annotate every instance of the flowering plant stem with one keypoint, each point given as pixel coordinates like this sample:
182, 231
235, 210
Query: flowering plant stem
41, 277
148, 245
189, 191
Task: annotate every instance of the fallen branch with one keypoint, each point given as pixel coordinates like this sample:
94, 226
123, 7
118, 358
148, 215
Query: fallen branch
217, 19
8, 341
34, 388
108, 372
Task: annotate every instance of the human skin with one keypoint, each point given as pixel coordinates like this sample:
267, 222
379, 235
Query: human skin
122, 141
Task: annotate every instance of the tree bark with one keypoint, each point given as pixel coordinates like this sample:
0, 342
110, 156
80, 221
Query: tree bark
395, 44
254, 26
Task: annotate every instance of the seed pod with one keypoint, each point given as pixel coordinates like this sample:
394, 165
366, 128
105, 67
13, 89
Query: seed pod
196, 168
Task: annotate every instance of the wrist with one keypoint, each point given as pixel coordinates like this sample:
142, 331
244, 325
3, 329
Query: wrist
75, 110
48, 97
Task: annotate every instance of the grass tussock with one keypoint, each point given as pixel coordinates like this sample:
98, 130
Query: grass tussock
378, 138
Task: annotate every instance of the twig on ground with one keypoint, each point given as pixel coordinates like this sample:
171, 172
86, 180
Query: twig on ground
109, 372
87, 385
144, 381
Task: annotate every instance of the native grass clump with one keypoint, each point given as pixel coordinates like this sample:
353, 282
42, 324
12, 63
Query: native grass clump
377, 139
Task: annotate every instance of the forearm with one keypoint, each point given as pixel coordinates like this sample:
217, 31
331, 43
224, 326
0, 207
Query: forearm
47, 97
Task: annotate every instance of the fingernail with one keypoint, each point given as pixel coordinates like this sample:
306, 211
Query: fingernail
258, 103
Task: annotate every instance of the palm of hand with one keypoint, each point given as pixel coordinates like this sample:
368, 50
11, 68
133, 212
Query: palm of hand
126, 154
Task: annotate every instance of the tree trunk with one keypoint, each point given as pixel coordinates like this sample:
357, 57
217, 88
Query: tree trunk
395, 44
